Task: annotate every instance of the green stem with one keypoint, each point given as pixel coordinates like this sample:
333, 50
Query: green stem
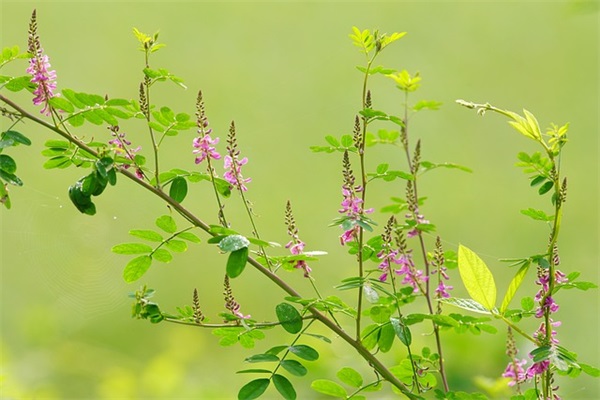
423, 248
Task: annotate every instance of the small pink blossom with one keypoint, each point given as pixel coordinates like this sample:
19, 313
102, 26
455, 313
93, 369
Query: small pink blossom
442, 290
233, 173
204, 146
515, 371
45, 80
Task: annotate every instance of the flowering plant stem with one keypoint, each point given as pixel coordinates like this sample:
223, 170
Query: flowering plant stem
333, 326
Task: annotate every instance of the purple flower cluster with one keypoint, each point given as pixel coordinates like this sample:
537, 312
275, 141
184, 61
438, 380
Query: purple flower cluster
420, 219
233, 171
204, 147
514, 370
411, 276
546, 305
352, 206
296, 247
442, 290
121, 146
45, 80
39, 68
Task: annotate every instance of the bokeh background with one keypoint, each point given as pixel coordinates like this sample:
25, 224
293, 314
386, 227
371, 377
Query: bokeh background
284, 71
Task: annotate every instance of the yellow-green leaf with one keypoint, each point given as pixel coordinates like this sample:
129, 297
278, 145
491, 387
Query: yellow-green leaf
476, 277
514, 285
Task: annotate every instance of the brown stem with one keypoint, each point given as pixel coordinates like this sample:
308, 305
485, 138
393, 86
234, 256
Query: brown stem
365, 354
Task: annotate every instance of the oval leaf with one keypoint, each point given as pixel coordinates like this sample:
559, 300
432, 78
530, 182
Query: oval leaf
7, 164
290, 318
305, 352
136, 268
146, 234
189, 236
294, 367
284, 387
166, 223
237, 262
178, 246
179, 189
350, 377
329, 388
131, 248
253, 389
476, 277
162, 255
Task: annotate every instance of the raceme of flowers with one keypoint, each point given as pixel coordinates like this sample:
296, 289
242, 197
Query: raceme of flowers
295, 245
39, 69
121, 146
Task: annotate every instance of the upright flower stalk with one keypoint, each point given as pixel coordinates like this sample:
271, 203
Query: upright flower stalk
233, 164
204, 148
230, 303
39, 68
121, 146
295, 245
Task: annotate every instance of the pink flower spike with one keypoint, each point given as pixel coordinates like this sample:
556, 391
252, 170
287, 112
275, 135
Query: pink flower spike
44, 79
204, 146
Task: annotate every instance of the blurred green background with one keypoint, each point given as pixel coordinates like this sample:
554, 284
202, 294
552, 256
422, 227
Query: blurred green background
285, 73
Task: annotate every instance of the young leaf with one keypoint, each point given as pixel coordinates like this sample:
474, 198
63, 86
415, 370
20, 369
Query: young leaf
476, 277
237, 262
284, 387
131, 248
350, 377
253, 389
513, 286
146, 234
166, 223
136, 268
305, 352
294, 367
178, 246
289, 317
162, 255
538, 215
189, 236
329, 388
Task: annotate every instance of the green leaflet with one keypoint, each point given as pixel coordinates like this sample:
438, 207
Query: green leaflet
350, 377
237, 262
284, 387
253, 389
477, 278
289, 317
329, 388
514, 286
136, 268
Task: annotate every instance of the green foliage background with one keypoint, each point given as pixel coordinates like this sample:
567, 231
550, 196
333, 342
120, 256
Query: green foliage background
285, 73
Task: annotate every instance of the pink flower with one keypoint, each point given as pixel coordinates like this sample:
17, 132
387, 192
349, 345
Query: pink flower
295, 248
537, 369
44, 79
515, 371
233, 173
205, 148
420, 220
442, 290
